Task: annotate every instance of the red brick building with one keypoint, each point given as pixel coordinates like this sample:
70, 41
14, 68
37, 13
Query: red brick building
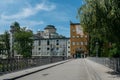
78, 40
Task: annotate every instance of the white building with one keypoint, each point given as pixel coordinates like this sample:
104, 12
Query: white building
51, 47
48, 43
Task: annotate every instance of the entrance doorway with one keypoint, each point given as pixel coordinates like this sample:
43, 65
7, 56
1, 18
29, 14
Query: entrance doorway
78, 55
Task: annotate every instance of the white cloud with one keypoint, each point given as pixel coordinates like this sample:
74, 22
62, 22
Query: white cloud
31, 23
23, 23
29, 11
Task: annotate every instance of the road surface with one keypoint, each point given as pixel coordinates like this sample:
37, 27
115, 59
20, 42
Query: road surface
76, 69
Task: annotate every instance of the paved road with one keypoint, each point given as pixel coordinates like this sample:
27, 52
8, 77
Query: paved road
77, 69
73, 70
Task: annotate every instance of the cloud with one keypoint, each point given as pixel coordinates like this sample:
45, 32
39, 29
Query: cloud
29, 11
23, 23
27, 23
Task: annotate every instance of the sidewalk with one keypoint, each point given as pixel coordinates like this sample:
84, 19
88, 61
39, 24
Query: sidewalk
100, 72
15, 75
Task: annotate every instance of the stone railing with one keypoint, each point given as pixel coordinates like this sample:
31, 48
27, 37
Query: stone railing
113, 63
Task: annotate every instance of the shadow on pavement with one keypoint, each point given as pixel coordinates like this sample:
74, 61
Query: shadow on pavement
117, 74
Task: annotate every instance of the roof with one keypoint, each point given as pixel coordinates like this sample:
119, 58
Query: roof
50, 27
74, 23
71, 23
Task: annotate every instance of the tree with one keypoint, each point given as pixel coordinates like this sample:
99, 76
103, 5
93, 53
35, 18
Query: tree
1, 44
15, 27
23, 42
5, 44
101, 19
6, 39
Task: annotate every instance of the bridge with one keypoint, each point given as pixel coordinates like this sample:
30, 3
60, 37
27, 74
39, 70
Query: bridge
71, 69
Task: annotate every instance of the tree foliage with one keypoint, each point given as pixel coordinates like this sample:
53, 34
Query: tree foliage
23, 42
2, 46
101, 19
5, 44
6, 39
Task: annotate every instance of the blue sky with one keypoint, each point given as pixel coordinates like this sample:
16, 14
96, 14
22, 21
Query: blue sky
36, 14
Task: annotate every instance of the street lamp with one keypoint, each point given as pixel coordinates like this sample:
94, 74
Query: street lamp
12, 41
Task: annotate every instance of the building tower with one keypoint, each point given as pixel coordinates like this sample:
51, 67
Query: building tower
78, 41
50, 31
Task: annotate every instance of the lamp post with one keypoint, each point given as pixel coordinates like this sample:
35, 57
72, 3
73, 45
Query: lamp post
12, 41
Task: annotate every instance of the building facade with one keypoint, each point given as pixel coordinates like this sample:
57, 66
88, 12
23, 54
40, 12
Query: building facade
50, 43
79, 40
51, 47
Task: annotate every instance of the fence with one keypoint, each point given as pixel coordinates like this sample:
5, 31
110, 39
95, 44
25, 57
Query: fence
113, 63
15, 64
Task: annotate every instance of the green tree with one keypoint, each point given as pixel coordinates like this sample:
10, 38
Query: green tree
5, 44
23, 42
101, 19
15, 27
6, 39
1, 44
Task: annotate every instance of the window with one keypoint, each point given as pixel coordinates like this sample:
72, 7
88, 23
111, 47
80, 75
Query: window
57, 48
57, 40
85, 36
73, 43
77, 36
81, 36
81, 43
39, 48
57, 43
48, 43
39, 42
48, 48
73, 36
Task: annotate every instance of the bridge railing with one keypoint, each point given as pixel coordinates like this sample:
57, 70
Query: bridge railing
16, 64
113, 63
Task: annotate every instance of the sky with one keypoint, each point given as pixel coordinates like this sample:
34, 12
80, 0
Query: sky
37, 14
